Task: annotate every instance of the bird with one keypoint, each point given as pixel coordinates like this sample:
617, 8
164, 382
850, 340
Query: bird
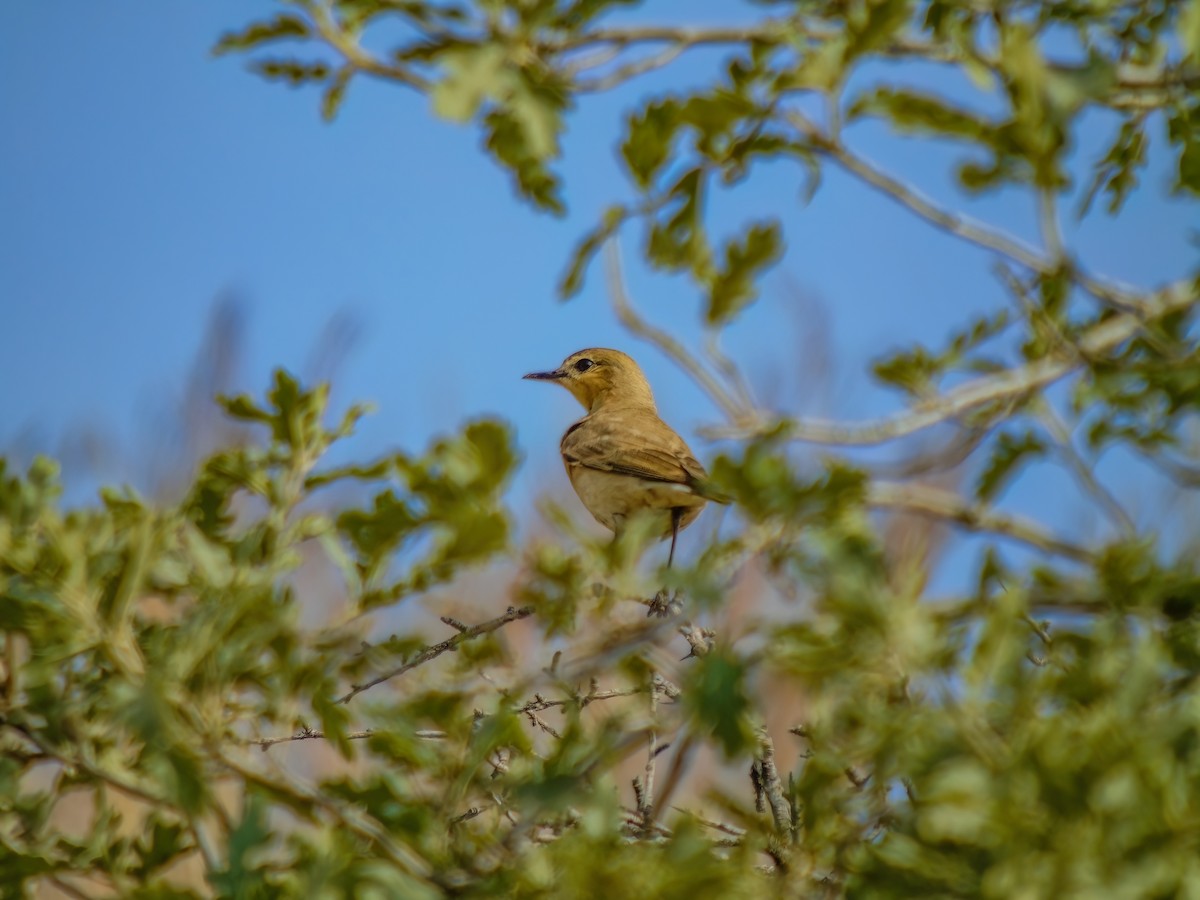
622, 458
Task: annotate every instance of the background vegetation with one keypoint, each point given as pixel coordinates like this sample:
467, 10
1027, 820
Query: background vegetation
176, 721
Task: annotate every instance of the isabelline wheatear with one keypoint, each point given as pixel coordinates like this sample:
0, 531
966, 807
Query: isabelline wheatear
621, 457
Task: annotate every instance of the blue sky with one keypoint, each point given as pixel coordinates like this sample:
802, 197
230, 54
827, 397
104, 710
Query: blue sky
142, 180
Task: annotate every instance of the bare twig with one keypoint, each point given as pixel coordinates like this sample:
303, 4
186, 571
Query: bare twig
1084, 473
436, 650
679, 766
308, 734
470, 814
1134, 81
632, 320
967, 229
732, 830
539, 703
1182, 472
939, 459
204, 846
630, 70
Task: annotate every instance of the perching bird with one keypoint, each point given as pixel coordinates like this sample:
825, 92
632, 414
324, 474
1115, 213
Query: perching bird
621, 457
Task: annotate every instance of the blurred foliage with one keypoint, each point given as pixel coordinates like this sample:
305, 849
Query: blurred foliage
173, 724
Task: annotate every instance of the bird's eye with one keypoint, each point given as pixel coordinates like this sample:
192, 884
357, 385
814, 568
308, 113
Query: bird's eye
583, 365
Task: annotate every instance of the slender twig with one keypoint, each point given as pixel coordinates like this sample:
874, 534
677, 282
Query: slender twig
940, 503
732, 830
539, 703
308, 735
1049, 225
204, 846
1084, 473
732, 374
1128, 76
436, 650
630, 70
424, 734
336, 37
940, 459
961, 226
1182, 472
470, 814
634, 322
967, 229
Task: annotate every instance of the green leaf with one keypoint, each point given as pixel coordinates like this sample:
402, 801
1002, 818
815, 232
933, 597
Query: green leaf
1188, 27
335, 93
918, 113
281, 27
473, 73
246, 854
294, 71
587, 248
1007, 455
678, 242
1116, 172
733, 287
716, 700
649, 140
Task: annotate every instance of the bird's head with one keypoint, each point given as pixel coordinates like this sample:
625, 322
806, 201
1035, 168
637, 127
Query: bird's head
599, 377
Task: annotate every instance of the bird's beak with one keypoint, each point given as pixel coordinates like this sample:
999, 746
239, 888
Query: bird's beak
546, 376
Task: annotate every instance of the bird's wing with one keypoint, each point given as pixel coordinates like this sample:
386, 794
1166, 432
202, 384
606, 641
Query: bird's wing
632, 442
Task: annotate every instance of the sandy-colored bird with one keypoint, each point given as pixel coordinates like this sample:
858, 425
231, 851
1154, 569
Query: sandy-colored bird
621, 457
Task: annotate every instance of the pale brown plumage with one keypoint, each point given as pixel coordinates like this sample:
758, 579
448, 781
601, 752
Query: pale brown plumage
621, 457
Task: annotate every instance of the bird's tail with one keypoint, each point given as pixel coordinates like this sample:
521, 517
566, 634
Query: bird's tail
704, 488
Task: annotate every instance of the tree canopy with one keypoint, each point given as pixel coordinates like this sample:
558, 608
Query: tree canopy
174, 721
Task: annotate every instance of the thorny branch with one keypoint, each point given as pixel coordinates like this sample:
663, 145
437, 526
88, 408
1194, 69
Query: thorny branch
308, 734
436, 650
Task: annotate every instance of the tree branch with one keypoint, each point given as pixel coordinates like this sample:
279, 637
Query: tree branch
336, 37
1084, 473
436, 650
1034, 375
425, 734
967, 229
633, 321
768, 786
939, 503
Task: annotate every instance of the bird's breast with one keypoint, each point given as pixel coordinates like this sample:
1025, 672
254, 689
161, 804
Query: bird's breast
613, 497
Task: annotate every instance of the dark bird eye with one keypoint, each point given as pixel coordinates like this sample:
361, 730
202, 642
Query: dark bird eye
583, 365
